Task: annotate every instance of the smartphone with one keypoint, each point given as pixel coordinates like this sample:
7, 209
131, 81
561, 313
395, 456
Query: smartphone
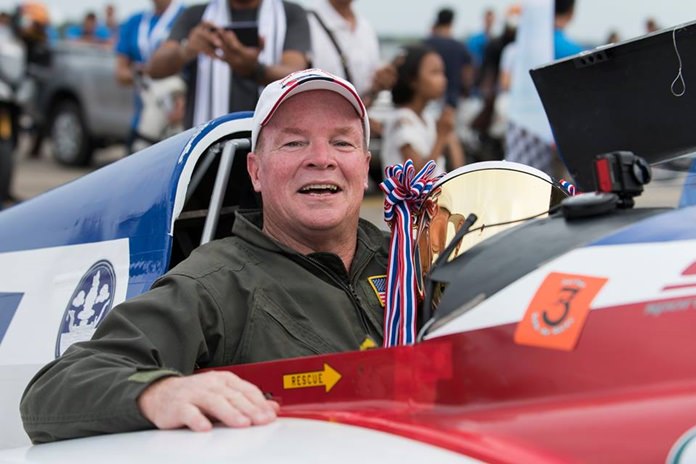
247, 32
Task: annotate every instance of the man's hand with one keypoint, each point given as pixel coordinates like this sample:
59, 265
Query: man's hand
172, 55
196, 401
242, 59
384, 78
126, 70
204, 38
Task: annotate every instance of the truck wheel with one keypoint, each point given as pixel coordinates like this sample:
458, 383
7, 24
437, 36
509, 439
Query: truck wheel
71, 144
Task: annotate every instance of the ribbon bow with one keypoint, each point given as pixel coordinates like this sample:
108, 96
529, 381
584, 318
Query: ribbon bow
405, 192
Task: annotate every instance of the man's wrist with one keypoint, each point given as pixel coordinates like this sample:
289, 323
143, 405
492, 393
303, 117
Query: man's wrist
186, 54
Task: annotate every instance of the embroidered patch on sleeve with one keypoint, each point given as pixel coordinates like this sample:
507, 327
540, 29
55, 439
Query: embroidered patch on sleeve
379, 285
368, 344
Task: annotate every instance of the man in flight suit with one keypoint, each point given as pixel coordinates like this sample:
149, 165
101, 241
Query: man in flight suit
290, 281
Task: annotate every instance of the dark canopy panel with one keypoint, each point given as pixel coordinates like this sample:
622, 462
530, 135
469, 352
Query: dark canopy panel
621, 97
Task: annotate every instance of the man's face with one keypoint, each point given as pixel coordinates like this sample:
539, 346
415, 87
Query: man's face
160, 5
341, 3
89, 25
311, 165
488, 20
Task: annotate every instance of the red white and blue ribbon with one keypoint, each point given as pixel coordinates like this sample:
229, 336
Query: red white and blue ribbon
568, 187
404, 192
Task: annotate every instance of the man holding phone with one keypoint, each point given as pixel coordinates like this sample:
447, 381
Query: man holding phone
213, 46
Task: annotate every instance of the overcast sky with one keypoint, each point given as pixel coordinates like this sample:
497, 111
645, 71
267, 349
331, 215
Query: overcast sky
594, 18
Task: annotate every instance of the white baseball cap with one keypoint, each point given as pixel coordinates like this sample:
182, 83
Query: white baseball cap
278, 91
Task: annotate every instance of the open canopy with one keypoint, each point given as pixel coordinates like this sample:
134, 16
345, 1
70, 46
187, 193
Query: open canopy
627, 96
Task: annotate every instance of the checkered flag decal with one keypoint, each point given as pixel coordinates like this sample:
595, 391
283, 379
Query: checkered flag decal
526, 148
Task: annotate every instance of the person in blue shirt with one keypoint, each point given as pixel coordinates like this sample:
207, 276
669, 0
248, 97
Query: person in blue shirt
110, 22
454, 54
562, 45
88, 31
476, 44
526, 143
138, 38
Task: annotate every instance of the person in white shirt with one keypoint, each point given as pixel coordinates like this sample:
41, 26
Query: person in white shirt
344, 43
412, 132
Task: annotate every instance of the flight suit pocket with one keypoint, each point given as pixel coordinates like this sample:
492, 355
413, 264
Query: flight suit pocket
275, 332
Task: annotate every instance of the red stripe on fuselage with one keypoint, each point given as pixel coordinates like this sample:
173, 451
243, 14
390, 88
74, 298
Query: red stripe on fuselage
624, 394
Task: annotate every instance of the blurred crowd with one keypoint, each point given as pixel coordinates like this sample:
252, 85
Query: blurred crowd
441, 98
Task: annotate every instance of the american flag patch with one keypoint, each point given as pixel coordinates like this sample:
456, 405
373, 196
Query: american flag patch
379, 285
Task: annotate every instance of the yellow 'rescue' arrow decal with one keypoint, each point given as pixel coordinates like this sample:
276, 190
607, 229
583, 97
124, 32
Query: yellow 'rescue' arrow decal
326, 378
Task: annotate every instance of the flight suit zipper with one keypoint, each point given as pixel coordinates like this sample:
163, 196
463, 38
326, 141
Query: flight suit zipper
347, 288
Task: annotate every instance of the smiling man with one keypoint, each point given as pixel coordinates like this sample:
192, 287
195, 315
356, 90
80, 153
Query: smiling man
310, 163
293, 280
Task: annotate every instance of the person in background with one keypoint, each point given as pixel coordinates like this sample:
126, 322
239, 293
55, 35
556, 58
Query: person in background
533, 144
89, 31
564, 10
138, 38
562, 45
458, 63
26, 26
110, 22
344, 44
32, 25
488, 75
487, 129
477, 43
412, 132
458, 68
612, 37
651, 26
222, 74
291, 280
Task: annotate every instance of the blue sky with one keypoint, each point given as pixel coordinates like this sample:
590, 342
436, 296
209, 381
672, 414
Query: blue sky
594, 18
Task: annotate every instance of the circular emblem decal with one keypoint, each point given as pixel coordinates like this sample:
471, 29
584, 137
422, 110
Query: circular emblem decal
88, 305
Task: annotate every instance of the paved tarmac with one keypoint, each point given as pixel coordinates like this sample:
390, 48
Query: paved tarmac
34, 176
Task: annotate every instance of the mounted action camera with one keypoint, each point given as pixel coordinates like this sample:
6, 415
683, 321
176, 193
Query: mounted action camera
622, 173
